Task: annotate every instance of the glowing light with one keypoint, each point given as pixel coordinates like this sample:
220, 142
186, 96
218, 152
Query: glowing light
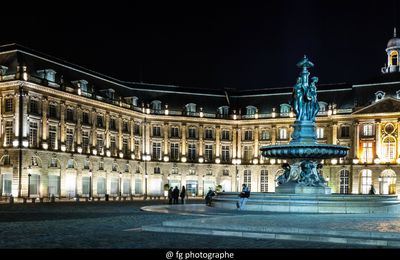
63, 147
166, 158
273, 113
201, 159
255, 161
234, 117
217, 160
79, 149
201, 114
133, 156
377, 160
183, 159
398, 160
291, 114
356, 160
380, 179
334, 161
108, 153
272, 161
236, 161
15, 143
94, 151
79, 91
329, 112
45, 146
121, 155
25, 143
147, 110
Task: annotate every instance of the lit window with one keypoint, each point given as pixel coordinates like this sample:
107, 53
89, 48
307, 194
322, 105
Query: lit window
247, 153
247, 178
366, 154
320, 132
156, 151
394, 58
366, 181
53, 137
208, 155
283, 133
389, 148
344, 181
368, 129
285, 110
8, 133
264, 181
33, 134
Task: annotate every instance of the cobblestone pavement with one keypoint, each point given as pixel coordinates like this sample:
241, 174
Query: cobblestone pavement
112, 225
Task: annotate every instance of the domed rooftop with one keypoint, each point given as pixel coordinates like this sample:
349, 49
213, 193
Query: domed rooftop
394, 42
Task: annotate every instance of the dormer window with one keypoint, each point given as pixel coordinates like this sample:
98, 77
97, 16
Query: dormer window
322, 106
190, 109
47, 74
223, 111
109, 93
132, 101
285, 109
251, 110
379, 95
156, 106
398, 94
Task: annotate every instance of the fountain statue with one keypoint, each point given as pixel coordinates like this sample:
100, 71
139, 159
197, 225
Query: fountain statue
303, 172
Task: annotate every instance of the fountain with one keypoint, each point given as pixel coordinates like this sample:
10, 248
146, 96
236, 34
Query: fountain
301, 186
302, 173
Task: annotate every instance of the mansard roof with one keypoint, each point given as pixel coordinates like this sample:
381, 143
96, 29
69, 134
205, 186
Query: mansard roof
343, 95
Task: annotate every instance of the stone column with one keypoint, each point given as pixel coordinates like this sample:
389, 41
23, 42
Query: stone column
131, 125
45, 104
78, 129
201, 141
234, 143
62, 122
120, 136
166, 136
17, 127
107, 132
273, 134
356, 140
378, 139
217, 141
183, 146
239, 143
256, 142
94, 128
334, 133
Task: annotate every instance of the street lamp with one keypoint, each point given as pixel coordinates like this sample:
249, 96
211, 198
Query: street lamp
120, 184
236, 162
90, 184
29, 181
146, 157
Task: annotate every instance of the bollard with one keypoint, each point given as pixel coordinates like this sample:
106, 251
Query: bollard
41, 200
77, 197
11, 199
53, 198
33, 200
107, 197
24, 200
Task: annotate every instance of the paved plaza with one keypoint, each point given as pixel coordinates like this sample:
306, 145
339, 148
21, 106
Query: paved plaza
118, 224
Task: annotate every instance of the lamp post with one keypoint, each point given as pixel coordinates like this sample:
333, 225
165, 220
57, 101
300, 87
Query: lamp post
236, 162
29, 181
90, 184
146, 157
120, 184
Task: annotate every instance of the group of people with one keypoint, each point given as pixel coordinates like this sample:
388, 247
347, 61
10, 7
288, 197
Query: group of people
174, 194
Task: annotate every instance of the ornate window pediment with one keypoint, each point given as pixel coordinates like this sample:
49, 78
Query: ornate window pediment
379, 95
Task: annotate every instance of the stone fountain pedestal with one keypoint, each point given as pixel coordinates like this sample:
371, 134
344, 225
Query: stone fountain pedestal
293, 187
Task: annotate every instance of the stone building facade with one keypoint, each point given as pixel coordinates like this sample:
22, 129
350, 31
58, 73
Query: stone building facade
68, 131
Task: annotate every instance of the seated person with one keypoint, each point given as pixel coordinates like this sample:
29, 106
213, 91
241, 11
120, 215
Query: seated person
209, 196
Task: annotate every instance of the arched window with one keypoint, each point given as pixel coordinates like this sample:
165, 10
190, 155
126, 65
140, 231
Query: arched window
265, 134
344, 181
387, 184
366, 181
394, 58
389, 149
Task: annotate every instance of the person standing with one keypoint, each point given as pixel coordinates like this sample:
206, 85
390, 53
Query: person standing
183, 194
170, 193
175, 195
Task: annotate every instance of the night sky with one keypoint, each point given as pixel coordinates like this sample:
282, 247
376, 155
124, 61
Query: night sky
203, 45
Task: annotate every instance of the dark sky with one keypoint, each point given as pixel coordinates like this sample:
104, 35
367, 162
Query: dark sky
234, 46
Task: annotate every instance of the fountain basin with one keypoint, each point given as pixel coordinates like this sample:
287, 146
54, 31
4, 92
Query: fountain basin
304, 151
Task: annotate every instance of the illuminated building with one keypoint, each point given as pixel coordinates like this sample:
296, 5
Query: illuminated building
67, 130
